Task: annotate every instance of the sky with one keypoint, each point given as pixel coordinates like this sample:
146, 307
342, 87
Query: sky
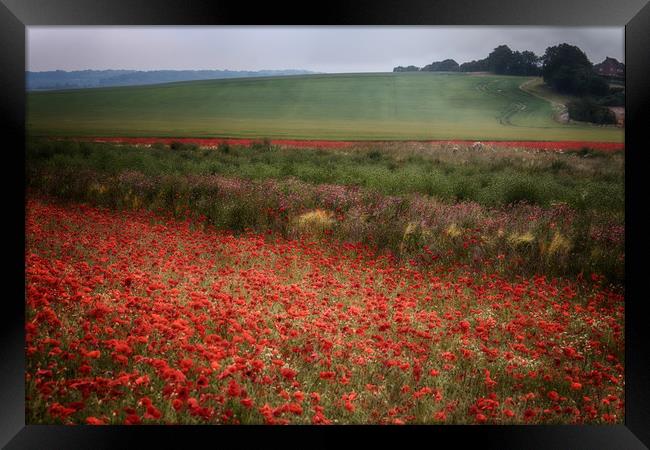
321, 49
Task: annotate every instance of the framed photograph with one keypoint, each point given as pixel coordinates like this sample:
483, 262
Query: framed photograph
420, 220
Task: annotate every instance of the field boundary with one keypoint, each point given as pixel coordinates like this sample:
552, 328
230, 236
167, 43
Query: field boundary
307, 143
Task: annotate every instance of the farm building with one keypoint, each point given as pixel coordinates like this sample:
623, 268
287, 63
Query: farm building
610, 67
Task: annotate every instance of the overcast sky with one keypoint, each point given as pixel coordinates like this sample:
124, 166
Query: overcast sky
321, 49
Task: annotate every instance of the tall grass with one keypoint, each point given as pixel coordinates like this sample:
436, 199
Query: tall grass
424, 224
583, 181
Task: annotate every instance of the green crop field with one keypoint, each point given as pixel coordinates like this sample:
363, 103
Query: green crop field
374, 106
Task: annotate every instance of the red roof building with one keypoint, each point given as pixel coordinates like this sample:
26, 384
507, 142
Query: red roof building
610, 67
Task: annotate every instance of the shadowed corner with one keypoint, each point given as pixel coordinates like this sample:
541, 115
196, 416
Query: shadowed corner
637, 356
12, 362
12, 393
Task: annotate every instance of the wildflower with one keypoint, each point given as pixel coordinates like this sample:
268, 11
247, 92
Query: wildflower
94, 421
202, 381
234, 390
132, 419
288, 373
529, 414
554, 396
94, 354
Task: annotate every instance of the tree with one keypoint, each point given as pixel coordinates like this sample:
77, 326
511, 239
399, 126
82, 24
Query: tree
504, 61
406, 69
587, 110
500, 60
474, 66
597, 85
563, 55
448, 65
567, 69
531, 63
520, 64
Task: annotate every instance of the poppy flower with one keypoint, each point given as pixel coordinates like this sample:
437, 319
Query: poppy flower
94, 421
288, 373
554, 396
177, 404
202, 381
132, 419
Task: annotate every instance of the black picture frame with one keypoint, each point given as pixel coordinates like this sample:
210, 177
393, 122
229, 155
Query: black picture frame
15, 15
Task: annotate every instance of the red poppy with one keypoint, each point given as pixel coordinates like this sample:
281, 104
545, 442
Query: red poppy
288, 373
95, 421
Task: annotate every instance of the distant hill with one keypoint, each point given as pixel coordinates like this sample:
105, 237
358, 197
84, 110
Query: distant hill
361, 106
61, 79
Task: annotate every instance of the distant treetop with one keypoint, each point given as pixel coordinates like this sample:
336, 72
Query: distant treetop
502, 61
567, 69
406, 69
448, 65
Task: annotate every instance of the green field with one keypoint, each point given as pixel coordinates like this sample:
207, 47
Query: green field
374, 106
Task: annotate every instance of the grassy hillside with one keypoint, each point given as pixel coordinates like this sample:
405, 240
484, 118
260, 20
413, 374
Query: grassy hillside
344, 106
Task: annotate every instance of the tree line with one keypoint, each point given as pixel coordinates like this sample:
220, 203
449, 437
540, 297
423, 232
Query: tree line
564, 67
502, 61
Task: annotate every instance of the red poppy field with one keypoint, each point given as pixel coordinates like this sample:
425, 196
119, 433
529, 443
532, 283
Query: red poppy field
305, 143
139, 318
